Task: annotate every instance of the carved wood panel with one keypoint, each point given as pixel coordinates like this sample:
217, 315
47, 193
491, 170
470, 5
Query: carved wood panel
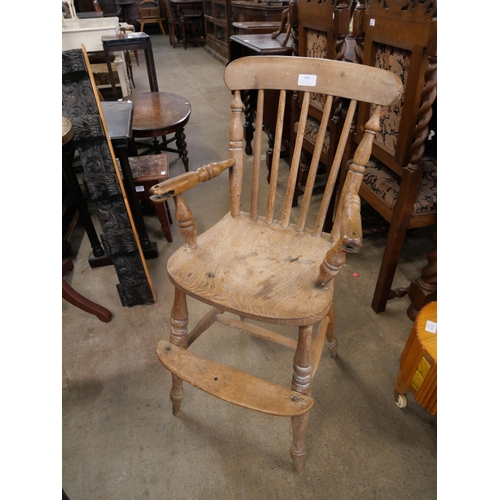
80, 106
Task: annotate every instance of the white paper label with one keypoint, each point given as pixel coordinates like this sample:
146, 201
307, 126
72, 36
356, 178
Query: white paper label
372, 22
307, 80
163, 172
431, 326
139, 189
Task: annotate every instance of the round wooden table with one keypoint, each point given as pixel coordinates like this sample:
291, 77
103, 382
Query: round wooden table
418, 372
158, 114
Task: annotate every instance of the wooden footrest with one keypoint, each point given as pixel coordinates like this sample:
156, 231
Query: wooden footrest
231, 385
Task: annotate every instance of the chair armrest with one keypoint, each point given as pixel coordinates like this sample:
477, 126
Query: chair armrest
182, 183
350, 226
349, 241
173, 188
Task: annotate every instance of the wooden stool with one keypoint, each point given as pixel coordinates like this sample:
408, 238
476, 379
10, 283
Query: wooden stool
418, 372
148, 171
158, 114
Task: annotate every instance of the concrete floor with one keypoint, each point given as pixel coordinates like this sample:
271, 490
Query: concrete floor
120, 440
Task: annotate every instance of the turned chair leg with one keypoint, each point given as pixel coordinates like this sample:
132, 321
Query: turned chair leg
180, 141
162, 214
331, 341
301, 382
298, 448
178, 336
392, 251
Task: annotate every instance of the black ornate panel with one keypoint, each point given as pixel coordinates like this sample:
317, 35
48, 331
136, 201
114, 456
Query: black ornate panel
80, 106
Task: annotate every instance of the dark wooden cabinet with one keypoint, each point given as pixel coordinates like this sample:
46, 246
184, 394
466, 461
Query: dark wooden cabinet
221, 14
217, 28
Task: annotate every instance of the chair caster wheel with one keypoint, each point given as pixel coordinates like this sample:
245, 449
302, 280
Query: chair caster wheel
401, 401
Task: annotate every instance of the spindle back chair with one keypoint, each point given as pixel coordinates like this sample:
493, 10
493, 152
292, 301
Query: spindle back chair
263, 267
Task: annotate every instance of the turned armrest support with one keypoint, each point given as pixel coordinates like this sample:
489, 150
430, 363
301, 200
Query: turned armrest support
182, 183
350, 226
350, 239
173, 188
346, 232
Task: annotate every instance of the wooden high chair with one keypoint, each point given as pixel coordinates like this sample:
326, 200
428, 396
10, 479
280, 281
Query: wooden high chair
263, 268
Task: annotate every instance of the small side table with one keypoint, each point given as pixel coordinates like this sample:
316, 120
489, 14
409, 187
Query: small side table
418, 372
130, 41
158, 114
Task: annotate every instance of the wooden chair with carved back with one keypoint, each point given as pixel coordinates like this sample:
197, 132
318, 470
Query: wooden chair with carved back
149, 12
270, 268
319, 30
400, 182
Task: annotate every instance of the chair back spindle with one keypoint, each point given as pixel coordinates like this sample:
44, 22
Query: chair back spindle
236, 153
294, 164
332, 177
273, 179
257, 153
355, 174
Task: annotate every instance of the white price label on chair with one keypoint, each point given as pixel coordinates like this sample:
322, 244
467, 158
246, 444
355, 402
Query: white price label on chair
307, 80
139, 189
431, 326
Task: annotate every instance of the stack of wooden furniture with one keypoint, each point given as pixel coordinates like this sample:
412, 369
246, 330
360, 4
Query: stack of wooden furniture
246, 14
268, 268
401, 178
150, 120
217, 15
185, 22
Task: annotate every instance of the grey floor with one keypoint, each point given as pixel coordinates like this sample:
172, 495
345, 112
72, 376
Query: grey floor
120, 440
